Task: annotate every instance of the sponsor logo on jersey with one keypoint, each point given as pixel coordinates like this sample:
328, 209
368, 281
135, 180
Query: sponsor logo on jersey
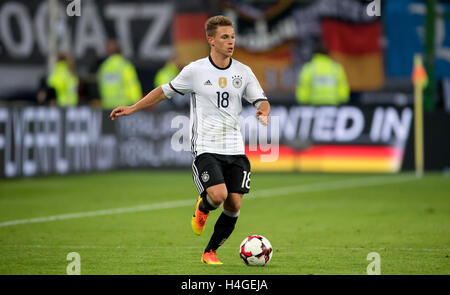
205, 176
237, 81
223, 82
208, 83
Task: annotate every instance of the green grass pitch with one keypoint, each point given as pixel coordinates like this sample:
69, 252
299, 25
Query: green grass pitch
317, 224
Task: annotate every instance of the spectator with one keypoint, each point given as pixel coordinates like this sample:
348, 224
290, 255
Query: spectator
322, 81
63, 82
166, 74
117, 79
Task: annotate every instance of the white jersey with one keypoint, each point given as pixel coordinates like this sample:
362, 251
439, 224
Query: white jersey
216, 103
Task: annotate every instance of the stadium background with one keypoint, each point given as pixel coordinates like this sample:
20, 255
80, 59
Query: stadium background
121, 196
373, 133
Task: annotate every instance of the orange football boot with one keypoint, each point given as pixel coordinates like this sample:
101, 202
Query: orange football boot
210, 258
199, 219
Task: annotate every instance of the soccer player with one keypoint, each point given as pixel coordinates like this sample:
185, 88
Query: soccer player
221, 170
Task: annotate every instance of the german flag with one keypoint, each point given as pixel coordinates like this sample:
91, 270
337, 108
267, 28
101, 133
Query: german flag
189, 37
358, 48
331, 158
277, 59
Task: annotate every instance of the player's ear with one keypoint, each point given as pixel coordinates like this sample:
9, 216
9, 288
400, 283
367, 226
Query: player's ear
211, 40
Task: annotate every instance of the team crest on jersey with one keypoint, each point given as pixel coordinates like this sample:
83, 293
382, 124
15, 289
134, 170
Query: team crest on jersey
205, 176
237, 81
223, 82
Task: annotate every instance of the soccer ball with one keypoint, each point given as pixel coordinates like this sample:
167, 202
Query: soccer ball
256, 250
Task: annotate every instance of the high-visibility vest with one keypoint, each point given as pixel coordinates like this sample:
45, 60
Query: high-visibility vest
322, 81
118, 82
65, 84
166, 74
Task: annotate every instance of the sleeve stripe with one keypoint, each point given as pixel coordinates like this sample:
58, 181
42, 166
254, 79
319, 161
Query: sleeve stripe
173, 88
258, 100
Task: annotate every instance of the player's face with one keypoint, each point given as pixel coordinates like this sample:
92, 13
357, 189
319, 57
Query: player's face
223, 41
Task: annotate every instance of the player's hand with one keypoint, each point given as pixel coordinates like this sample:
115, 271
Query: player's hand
120, 111
263, 117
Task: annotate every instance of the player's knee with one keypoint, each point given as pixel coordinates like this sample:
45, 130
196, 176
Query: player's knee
218, 196
232, 206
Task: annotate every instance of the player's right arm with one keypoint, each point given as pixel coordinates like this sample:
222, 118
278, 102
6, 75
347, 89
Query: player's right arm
153, 97
181, 84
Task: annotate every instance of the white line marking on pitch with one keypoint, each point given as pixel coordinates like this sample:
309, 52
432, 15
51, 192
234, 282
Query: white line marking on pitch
226, 247
308, 188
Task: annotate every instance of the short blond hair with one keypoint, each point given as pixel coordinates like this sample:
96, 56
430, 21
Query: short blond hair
216, 21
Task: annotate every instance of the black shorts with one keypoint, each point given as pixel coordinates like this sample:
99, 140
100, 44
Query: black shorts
211, 169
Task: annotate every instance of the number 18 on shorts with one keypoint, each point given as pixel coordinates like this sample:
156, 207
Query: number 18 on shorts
212, 169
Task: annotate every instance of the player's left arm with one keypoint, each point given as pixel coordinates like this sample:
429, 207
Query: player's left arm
255, 95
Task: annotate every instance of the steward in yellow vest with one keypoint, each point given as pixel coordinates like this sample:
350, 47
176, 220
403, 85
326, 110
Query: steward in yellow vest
65, 83
166, 73
322, 81
118, 81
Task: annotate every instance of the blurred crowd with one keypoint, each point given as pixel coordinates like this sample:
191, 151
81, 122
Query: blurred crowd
308, 52
321, 81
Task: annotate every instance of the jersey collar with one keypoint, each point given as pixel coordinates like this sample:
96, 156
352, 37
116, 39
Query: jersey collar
216, 66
